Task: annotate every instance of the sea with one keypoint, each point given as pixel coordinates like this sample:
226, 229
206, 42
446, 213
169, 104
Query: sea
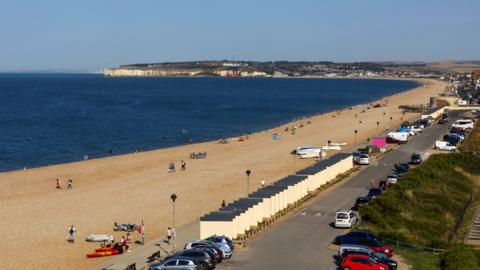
56, 118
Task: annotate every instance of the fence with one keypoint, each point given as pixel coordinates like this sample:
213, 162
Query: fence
458, 223
397, 244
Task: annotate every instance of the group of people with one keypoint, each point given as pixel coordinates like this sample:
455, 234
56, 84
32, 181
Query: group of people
69, 184
171, 166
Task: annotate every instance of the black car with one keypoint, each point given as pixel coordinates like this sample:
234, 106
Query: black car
354, 236
452, 139
415, 159
214, 254
199, 256
359, 201
378, 257
374, 192
443, 119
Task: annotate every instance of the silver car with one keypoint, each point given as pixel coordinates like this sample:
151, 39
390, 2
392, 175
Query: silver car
176, 264
225, 248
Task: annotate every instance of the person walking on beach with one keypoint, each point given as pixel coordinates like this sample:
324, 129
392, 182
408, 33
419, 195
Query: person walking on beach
59, 184
70, 184
71, 234
223, 203
169, 235
184, 165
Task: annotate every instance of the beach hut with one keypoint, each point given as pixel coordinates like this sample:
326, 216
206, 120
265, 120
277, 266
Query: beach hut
296, 187
218, 223
271, 196
249, 212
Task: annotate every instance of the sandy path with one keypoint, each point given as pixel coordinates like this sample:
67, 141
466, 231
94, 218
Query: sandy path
35, 216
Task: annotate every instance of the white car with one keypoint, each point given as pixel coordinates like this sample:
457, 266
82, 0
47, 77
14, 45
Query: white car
446, 146
364, 159
392, 179
345, 219
463, 123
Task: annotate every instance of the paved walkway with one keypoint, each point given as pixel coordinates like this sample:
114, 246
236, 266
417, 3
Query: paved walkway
139, 254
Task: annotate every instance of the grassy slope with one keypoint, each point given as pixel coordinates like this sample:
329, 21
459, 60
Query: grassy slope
422, 207
472, 142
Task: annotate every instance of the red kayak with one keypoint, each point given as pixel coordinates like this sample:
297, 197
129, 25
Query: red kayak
103, 249
103, 253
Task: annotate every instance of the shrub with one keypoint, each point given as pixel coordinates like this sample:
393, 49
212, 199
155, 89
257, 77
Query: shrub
460, 257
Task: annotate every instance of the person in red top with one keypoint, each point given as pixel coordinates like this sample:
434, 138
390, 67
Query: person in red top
123, 243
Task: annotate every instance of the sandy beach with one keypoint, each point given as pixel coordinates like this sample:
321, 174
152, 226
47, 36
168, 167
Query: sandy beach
128, 188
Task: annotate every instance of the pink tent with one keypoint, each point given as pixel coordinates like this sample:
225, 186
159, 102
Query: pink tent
379, 142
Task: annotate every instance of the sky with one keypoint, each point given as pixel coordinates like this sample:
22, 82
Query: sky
90, 35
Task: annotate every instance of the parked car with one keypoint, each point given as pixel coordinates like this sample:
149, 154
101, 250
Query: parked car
374, 192
415, 159
452, 139
376, 256
364, 159
177, 263
392, 179
446, 146
463, 123
443, 119
224, 249
353, 235
199, 256
222, 241
360, 201
345, 219
356, 157
361, 262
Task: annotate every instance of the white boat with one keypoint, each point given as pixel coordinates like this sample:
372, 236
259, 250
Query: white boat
99, 238
331, 147
338, 144
309, 152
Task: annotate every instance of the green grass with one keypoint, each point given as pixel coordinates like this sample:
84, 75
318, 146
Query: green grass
420, 260
424, 205
472, 142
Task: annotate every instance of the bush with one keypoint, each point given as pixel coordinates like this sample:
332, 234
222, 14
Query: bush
460, 257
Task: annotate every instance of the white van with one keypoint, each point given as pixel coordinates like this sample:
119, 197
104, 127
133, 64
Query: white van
345, 219
463, 123
446, 146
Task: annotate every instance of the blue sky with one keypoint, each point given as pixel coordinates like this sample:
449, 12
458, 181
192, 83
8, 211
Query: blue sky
91, 35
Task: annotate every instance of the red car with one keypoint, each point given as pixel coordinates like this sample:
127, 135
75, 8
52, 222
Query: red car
361, 262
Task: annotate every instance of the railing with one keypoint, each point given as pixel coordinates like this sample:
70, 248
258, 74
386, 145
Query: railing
458, 223
399, 244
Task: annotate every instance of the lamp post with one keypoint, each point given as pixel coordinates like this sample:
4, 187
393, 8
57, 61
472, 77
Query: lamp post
173, 197
378, 123
356, 131
248, 172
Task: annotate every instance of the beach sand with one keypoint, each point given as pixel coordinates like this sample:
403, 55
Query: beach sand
127, 188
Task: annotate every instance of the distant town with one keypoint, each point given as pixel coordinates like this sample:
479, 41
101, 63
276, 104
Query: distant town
279, 69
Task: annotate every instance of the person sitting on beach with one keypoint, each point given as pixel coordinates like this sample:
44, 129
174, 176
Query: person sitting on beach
71, 234
129, 238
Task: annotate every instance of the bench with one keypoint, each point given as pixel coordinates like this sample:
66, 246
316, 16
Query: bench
155, 256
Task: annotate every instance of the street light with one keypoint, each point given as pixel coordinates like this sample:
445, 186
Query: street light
248, 172
356, 131
173, 197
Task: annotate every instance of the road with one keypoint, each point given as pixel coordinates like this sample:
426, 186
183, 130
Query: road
302, 241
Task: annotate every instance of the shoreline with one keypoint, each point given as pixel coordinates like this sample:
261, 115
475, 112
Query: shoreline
260, 129
130, 187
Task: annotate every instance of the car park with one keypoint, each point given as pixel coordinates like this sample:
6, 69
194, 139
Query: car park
361, 262
177, 263
364, 159
415, 159
345, 219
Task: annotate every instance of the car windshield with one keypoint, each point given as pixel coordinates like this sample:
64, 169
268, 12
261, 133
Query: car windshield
342, 216
363, 156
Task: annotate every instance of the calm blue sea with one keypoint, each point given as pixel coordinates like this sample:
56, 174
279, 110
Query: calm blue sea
55, 118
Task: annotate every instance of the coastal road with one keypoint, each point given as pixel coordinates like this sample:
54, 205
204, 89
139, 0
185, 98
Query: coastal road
303, 241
